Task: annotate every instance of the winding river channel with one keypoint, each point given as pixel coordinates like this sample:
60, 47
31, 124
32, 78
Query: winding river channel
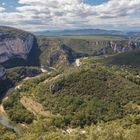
4, 120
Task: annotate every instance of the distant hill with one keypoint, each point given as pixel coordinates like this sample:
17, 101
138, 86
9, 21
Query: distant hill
87, 32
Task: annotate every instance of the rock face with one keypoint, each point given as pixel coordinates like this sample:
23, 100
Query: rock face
56, 53
15, 47
2, 71
118, 47
56, 87
62, 54
14, 44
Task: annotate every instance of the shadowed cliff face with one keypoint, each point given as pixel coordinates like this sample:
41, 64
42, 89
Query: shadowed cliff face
15, 47
2, 71
32, 58
55, 53
18, 48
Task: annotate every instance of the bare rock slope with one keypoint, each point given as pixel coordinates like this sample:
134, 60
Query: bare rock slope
15, 43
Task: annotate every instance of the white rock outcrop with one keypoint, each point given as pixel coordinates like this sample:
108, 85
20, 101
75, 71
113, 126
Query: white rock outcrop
15, 47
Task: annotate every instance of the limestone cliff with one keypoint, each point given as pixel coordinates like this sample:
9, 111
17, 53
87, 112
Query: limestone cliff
15, 44
118, 47
15, 47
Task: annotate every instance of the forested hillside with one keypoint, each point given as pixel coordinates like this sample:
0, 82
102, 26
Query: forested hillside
80, 100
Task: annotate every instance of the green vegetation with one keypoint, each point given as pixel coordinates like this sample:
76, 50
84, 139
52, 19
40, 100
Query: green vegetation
21, 115
53, 56
80, 98
19, 73
14, 75
122, 129
129, 58
90, 37
83, 44
84, 91
7, 134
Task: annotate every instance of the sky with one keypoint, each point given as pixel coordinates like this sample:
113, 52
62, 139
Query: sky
39, 15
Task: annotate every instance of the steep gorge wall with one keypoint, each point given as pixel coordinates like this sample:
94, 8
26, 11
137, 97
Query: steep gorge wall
118, 47
18, 48
93, 46
60, 50
15, 47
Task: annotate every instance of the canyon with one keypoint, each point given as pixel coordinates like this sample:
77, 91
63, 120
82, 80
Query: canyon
23, 48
